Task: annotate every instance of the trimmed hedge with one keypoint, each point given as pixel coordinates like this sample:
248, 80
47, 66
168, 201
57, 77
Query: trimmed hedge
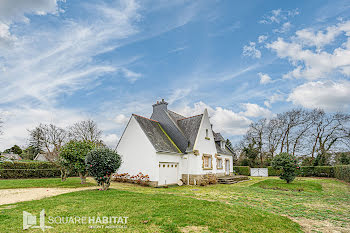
19, 170
242, 170
342, 172
317, 171
273, 172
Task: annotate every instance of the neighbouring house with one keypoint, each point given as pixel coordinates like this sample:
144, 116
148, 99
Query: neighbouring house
170, 147
45, 157
11, 156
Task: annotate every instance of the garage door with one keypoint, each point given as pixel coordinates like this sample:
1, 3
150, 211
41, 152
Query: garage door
168, 173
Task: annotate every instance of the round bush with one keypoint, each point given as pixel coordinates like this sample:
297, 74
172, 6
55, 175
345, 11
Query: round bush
72, 157
288, 164
101, 164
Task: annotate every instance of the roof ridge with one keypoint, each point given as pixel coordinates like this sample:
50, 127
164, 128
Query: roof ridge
175, 112
144, 117
190, 117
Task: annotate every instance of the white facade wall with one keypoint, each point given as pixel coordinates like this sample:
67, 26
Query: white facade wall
137, 152
205, 146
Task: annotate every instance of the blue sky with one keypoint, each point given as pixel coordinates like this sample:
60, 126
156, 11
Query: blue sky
64, 61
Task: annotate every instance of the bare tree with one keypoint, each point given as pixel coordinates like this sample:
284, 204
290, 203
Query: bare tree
49, 137
306, 121
256, 132
86, 131
289, 120
329, 130
273, 133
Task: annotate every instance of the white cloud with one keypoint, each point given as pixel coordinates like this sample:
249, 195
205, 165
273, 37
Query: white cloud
328, 95
319, 39
130, 75
121, 119
110, 140
264, 78
254, 110
278, 15
251, 51
223, 120
273, 99
285, 28
61, 59
315, 64
15, 11
18, 120
6, 39
262, 38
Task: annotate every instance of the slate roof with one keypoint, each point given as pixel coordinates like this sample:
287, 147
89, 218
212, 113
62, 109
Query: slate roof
190, 127
156, 135
46, 157
169, 131
225, 151
175, 115
218, 137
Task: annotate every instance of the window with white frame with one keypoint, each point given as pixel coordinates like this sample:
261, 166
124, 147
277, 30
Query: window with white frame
219, 164
207, 162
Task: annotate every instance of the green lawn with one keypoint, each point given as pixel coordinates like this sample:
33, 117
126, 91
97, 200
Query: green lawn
258, 205
148, 213
72, 182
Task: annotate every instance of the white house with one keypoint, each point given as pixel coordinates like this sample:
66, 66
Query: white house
169, 147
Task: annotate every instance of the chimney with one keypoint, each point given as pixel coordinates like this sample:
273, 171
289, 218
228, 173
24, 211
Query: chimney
160, 105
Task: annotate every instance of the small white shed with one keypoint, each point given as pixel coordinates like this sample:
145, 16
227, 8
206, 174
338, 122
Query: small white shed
259, 172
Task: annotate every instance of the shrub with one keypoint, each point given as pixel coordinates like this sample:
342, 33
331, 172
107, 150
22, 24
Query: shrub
101, 164
342, 172
242, 170
21, 170
72, 157
288, 164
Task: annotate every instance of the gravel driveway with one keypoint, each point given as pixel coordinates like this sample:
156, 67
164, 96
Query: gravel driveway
10, 196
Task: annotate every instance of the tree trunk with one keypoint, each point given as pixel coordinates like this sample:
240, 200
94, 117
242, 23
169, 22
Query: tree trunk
63, 175
82, 177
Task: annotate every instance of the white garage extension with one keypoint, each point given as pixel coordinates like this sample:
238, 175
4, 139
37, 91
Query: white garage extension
168, 173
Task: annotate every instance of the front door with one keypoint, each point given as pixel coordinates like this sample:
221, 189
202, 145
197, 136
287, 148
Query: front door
227, 167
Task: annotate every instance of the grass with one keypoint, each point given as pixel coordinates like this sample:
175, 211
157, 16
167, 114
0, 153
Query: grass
258, 205
72, 182
320, 202
148, 213
297, 186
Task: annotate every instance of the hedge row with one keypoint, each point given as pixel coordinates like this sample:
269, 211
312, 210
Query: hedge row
242, 170
341, 172
19, 170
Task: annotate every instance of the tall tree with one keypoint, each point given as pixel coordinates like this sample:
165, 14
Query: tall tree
273, 133
86, 130
49, 137
329, 130
36, 140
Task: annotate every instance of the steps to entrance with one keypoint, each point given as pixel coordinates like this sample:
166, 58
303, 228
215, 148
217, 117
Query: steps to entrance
231, 179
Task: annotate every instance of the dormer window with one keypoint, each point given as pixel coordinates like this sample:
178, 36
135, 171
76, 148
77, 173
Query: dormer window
222, 144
